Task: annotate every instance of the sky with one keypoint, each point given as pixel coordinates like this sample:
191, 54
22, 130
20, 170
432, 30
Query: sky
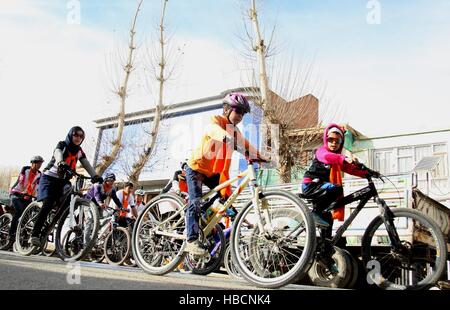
58, 68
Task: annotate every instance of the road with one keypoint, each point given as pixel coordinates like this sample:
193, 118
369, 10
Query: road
40, 272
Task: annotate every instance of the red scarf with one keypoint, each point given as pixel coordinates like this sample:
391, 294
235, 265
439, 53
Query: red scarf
124, 204
336, 178
30, 186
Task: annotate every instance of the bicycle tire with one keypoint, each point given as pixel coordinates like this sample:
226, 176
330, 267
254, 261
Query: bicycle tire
60, 243
441, 249
320, 275
354, 271
23, 234
216, 261
5, 225
229, 265
146, 250
268, 279
107, 247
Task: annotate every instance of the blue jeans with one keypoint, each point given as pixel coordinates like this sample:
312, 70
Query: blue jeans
332, 193
195, 181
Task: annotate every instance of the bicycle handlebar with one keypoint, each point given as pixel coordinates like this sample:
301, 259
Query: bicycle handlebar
72, 173
371, 173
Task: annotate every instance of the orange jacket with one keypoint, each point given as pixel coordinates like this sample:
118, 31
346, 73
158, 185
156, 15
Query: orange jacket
213, 156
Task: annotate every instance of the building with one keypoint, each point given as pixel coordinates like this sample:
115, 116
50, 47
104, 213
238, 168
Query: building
420, 158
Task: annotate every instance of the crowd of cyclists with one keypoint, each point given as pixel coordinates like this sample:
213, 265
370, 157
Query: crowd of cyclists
209, 165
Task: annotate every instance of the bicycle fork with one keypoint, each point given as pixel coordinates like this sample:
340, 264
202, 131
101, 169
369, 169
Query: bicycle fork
388, 220
72, 223
261, 210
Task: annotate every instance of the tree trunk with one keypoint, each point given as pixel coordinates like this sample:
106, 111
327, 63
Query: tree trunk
270, 123
107, 160
139, 165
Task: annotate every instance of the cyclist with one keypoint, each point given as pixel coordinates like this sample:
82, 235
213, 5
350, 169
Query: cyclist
55, 178
211, 161
126, 197
22, 191
140, 204
323, 180
98, 193
178, 183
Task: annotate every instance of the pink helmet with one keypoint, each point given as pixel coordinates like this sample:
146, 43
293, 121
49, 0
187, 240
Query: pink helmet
237, 101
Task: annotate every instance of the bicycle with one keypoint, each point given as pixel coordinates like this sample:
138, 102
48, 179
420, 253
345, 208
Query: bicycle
405, 263
97, 253
6, 220
5, 224
74, 221
275, 257
117, 246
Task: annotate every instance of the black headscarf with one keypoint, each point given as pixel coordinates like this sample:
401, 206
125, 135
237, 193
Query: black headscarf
71, 147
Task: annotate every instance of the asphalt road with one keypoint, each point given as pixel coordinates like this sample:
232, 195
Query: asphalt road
40, 272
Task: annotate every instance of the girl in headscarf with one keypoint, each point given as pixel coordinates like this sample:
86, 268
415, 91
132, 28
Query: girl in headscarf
55, 179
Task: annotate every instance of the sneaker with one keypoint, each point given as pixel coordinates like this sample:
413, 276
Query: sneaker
36, 241
319, 220
195, 247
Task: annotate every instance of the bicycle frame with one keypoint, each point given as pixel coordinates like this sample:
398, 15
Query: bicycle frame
248, 177
364, 195
72, 196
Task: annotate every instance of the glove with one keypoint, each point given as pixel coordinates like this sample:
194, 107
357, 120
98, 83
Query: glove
62, 168
97, 179
63, 165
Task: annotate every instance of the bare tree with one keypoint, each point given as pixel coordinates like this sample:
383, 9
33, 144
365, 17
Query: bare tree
285, 107
122, 92
143, 158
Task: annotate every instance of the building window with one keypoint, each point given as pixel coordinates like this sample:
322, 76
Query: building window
383, 161
402, 160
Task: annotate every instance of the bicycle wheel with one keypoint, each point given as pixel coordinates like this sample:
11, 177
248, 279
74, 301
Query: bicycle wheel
25, 228
5, 225
284, 252
80, 238
209, 263
229, 266
420, 261
354, 269
321, 275
117, 246
155, 253
97, 254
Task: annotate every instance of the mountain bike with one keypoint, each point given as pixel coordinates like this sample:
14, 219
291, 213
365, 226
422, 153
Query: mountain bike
97, 253
5, 224
274, 257
6, 220
117, 245
404, 261
74, 221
